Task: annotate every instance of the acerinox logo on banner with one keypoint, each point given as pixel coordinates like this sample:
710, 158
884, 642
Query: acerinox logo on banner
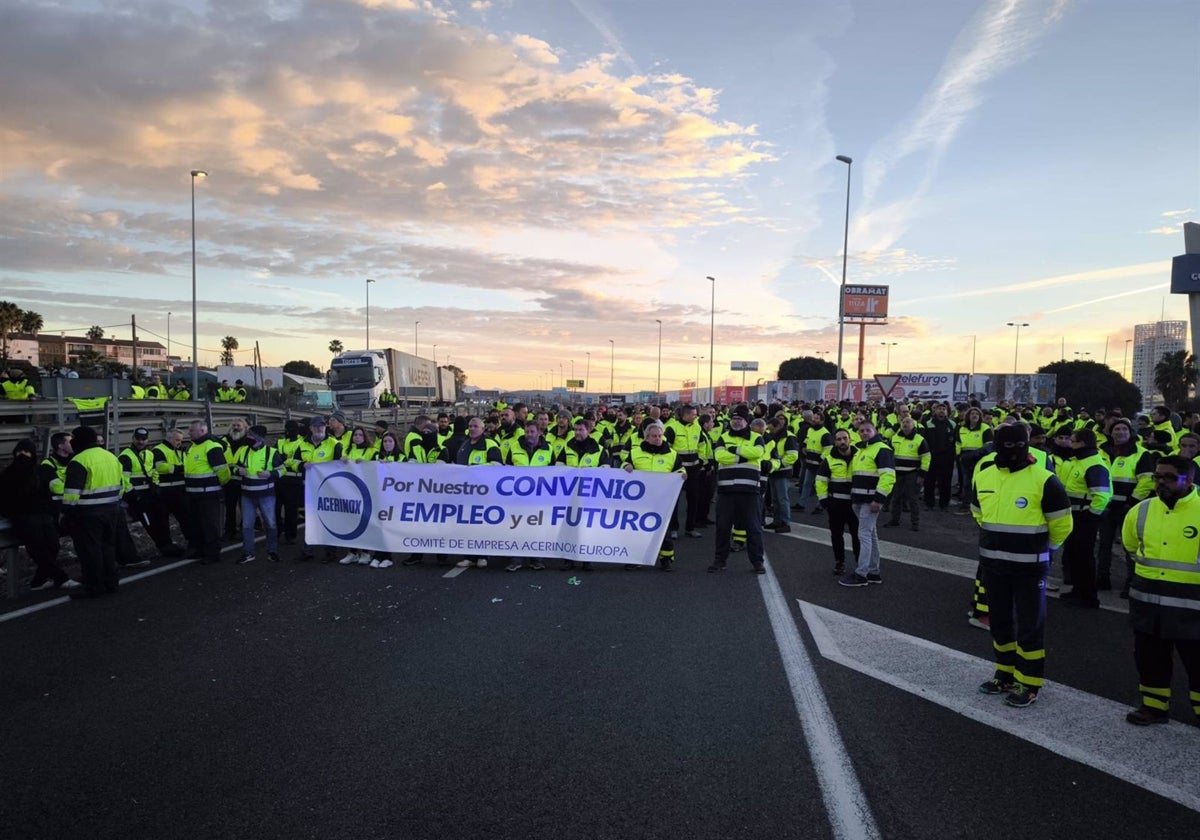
344, 505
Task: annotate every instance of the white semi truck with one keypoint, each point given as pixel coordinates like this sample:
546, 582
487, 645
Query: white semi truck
358, 379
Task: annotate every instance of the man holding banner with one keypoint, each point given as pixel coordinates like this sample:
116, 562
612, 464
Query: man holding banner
654, 454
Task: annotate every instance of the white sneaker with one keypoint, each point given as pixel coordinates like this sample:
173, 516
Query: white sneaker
46, 584
348, 559
363, 558
385, 564
463, 564
374, 563
481, 563
71, 583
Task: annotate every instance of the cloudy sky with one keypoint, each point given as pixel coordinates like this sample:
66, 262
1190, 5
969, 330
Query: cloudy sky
530, 179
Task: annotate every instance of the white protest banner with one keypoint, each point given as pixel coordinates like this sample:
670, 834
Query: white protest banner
601, 515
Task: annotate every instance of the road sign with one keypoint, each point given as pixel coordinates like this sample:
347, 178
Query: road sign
574, 383
743, 365
887, 383
865, 303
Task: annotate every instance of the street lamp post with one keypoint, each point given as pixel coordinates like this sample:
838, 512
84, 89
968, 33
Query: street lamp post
435, 355
889, 345
698, 359
973, 340
368, 287
658, 384
712, 325
1081, 354
416, 337
196, 173
168, 335
587, 373
612, 358
842, 291
1017, 343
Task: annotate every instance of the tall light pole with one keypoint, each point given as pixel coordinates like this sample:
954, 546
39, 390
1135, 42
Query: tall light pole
973, 340
842, 291
612, 358
196, 173
435, 355
1017, 343
560, 375
368, 287
416, 337
587, 374
168, 335
712, 326
1081, 354
698, 359
1125, 364
658, 384
889, 345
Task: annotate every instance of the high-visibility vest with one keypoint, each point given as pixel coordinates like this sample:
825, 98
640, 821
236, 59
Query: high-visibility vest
541, 456
649, 460
1088, 483
264, 459
93, 482
738, 460
1020, 514
138, 468
200, 473
912, 453
168, 464
874, 472
1164, 592
834, 476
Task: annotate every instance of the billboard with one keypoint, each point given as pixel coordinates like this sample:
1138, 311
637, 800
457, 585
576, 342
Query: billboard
865, 303
743, 365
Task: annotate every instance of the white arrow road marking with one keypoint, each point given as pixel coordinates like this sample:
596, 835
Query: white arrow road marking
845, 803
949, 564
1080, 726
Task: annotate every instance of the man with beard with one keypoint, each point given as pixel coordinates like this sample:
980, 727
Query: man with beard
1023, 514
289, 495
1089, 487
816, 441
874, 475
508, 431
683, 434
1132, 470
833, 482
738, 453
654, 454
912, 465
941, 434
205, 473
232, 441
1164, 597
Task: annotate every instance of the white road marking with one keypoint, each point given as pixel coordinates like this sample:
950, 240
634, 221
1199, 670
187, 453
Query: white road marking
1072, 723
456, 571
949, 564
846, 804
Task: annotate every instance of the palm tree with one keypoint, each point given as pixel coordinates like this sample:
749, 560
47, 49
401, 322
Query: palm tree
10, 321
31, 322
335, 347
95, 333
228, 345
1174, 376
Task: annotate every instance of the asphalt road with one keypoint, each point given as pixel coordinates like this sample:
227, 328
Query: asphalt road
305, 700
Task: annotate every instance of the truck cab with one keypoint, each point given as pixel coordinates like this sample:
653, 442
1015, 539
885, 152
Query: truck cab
357, 378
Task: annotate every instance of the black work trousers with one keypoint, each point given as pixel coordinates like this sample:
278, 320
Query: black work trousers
841, 517
941, 471
695, 489
1017, 606
1110, 528
39, 533
233, 504
95, 538
1079, 556
174, 502
205, 514
289, 498
1152, 655
740, 510
146, 507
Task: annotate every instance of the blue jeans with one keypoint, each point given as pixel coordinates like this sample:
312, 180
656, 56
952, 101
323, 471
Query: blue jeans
779, 499
264, 504
868, 538
808, 484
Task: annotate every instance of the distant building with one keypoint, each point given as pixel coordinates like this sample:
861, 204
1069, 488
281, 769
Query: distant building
58, 351
1150, 343
24, 346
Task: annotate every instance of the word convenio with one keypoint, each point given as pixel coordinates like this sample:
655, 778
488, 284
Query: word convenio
575, 486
